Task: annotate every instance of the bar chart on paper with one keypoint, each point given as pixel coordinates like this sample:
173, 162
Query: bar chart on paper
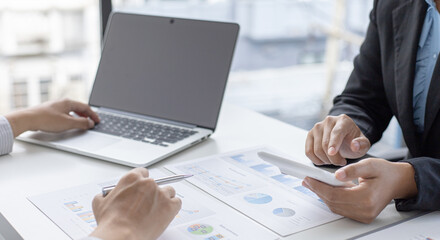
70, 211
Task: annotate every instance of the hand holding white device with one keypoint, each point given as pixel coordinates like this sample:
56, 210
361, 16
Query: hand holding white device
299, 170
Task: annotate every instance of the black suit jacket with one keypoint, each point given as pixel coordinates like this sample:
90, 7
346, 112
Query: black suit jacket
381, 86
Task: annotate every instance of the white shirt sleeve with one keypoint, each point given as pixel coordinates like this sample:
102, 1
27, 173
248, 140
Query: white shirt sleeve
6, 136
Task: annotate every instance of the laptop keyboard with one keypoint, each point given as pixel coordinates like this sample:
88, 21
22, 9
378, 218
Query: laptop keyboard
149, 132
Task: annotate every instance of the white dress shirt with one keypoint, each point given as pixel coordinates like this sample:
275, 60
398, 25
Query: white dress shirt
6, 136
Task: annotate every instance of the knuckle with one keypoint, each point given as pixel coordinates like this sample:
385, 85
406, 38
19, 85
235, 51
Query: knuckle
329, 119
368, 163
317, 125
337, 130
344, 117
317, 149
149, 182
146, 185
325, 142
130, 177
143, 170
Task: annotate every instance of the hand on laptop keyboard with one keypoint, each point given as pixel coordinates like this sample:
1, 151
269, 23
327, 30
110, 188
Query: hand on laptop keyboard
138, 130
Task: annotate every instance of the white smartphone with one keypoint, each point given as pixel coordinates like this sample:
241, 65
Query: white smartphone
299, 170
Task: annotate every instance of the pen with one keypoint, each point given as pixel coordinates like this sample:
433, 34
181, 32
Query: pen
159, 181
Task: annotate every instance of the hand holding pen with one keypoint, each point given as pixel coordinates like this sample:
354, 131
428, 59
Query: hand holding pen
138, 205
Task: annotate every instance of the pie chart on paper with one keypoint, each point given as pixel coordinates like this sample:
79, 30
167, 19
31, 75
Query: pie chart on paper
258, 198
283, 212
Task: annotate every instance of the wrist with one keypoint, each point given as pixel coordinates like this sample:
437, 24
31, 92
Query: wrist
20, 121
406, 183
108, 232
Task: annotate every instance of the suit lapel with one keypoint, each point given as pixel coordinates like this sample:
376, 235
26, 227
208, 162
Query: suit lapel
407, 26
433, 100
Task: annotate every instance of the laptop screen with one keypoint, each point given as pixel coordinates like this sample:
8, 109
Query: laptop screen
174, 69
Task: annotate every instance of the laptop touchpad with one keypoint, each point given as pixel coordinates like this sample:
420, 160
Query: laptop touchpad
84, 140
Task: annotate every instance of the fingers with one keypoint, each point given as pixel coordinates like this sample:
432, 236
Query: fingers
83, 109
331, 153
335, 139
79, 123
317, 144
177, 203
329, 193
337, 136
366, 168
310, 153
97, 203
355, 202
360, 145
97, 200
169, 191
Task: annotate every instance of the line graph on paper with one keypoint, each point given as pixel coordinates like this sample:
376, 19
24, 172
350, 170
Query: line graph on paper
225, 181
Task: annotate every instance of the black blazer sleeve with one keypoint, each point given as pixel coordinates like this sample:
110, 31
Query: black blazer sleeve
364, 98
427, 176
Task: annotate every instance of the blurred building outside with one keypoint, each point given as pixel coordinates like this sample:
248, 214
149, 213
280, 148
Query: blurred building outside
292, 58
48, 50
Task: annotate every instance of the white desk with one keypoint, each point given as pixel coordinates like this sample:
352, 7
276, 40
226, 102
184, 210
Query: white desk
31, 170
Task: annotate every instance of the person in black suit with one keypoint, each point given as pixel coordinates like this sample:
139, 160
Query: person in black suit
395, 74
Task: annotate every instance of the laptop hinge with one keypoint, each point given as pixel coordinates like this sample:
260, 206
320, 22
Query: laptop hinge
186, 125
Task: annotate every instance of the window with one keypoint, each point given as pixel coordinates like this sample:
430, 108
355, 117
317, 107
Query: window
76, 78
56, 38
45, 84
20, 94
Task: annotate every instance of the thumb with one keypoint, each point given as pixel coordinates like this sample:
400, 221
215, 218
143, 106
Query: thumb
360, 145
363, 169
81, 123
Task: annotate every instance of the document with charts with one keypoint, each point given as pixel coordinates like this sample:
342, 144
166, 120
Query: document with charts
257, 189
201, 217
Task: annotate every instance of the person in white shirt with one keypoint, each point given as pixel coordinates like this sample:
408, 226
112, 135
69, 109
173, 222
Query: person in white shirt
136, 209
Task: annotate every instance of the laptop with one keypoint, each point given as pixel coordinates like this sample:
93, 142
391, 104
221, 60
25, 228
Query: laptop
158, 89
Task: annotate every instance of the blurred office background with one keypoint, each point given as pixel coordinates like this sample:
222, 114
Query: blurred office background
292, 58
